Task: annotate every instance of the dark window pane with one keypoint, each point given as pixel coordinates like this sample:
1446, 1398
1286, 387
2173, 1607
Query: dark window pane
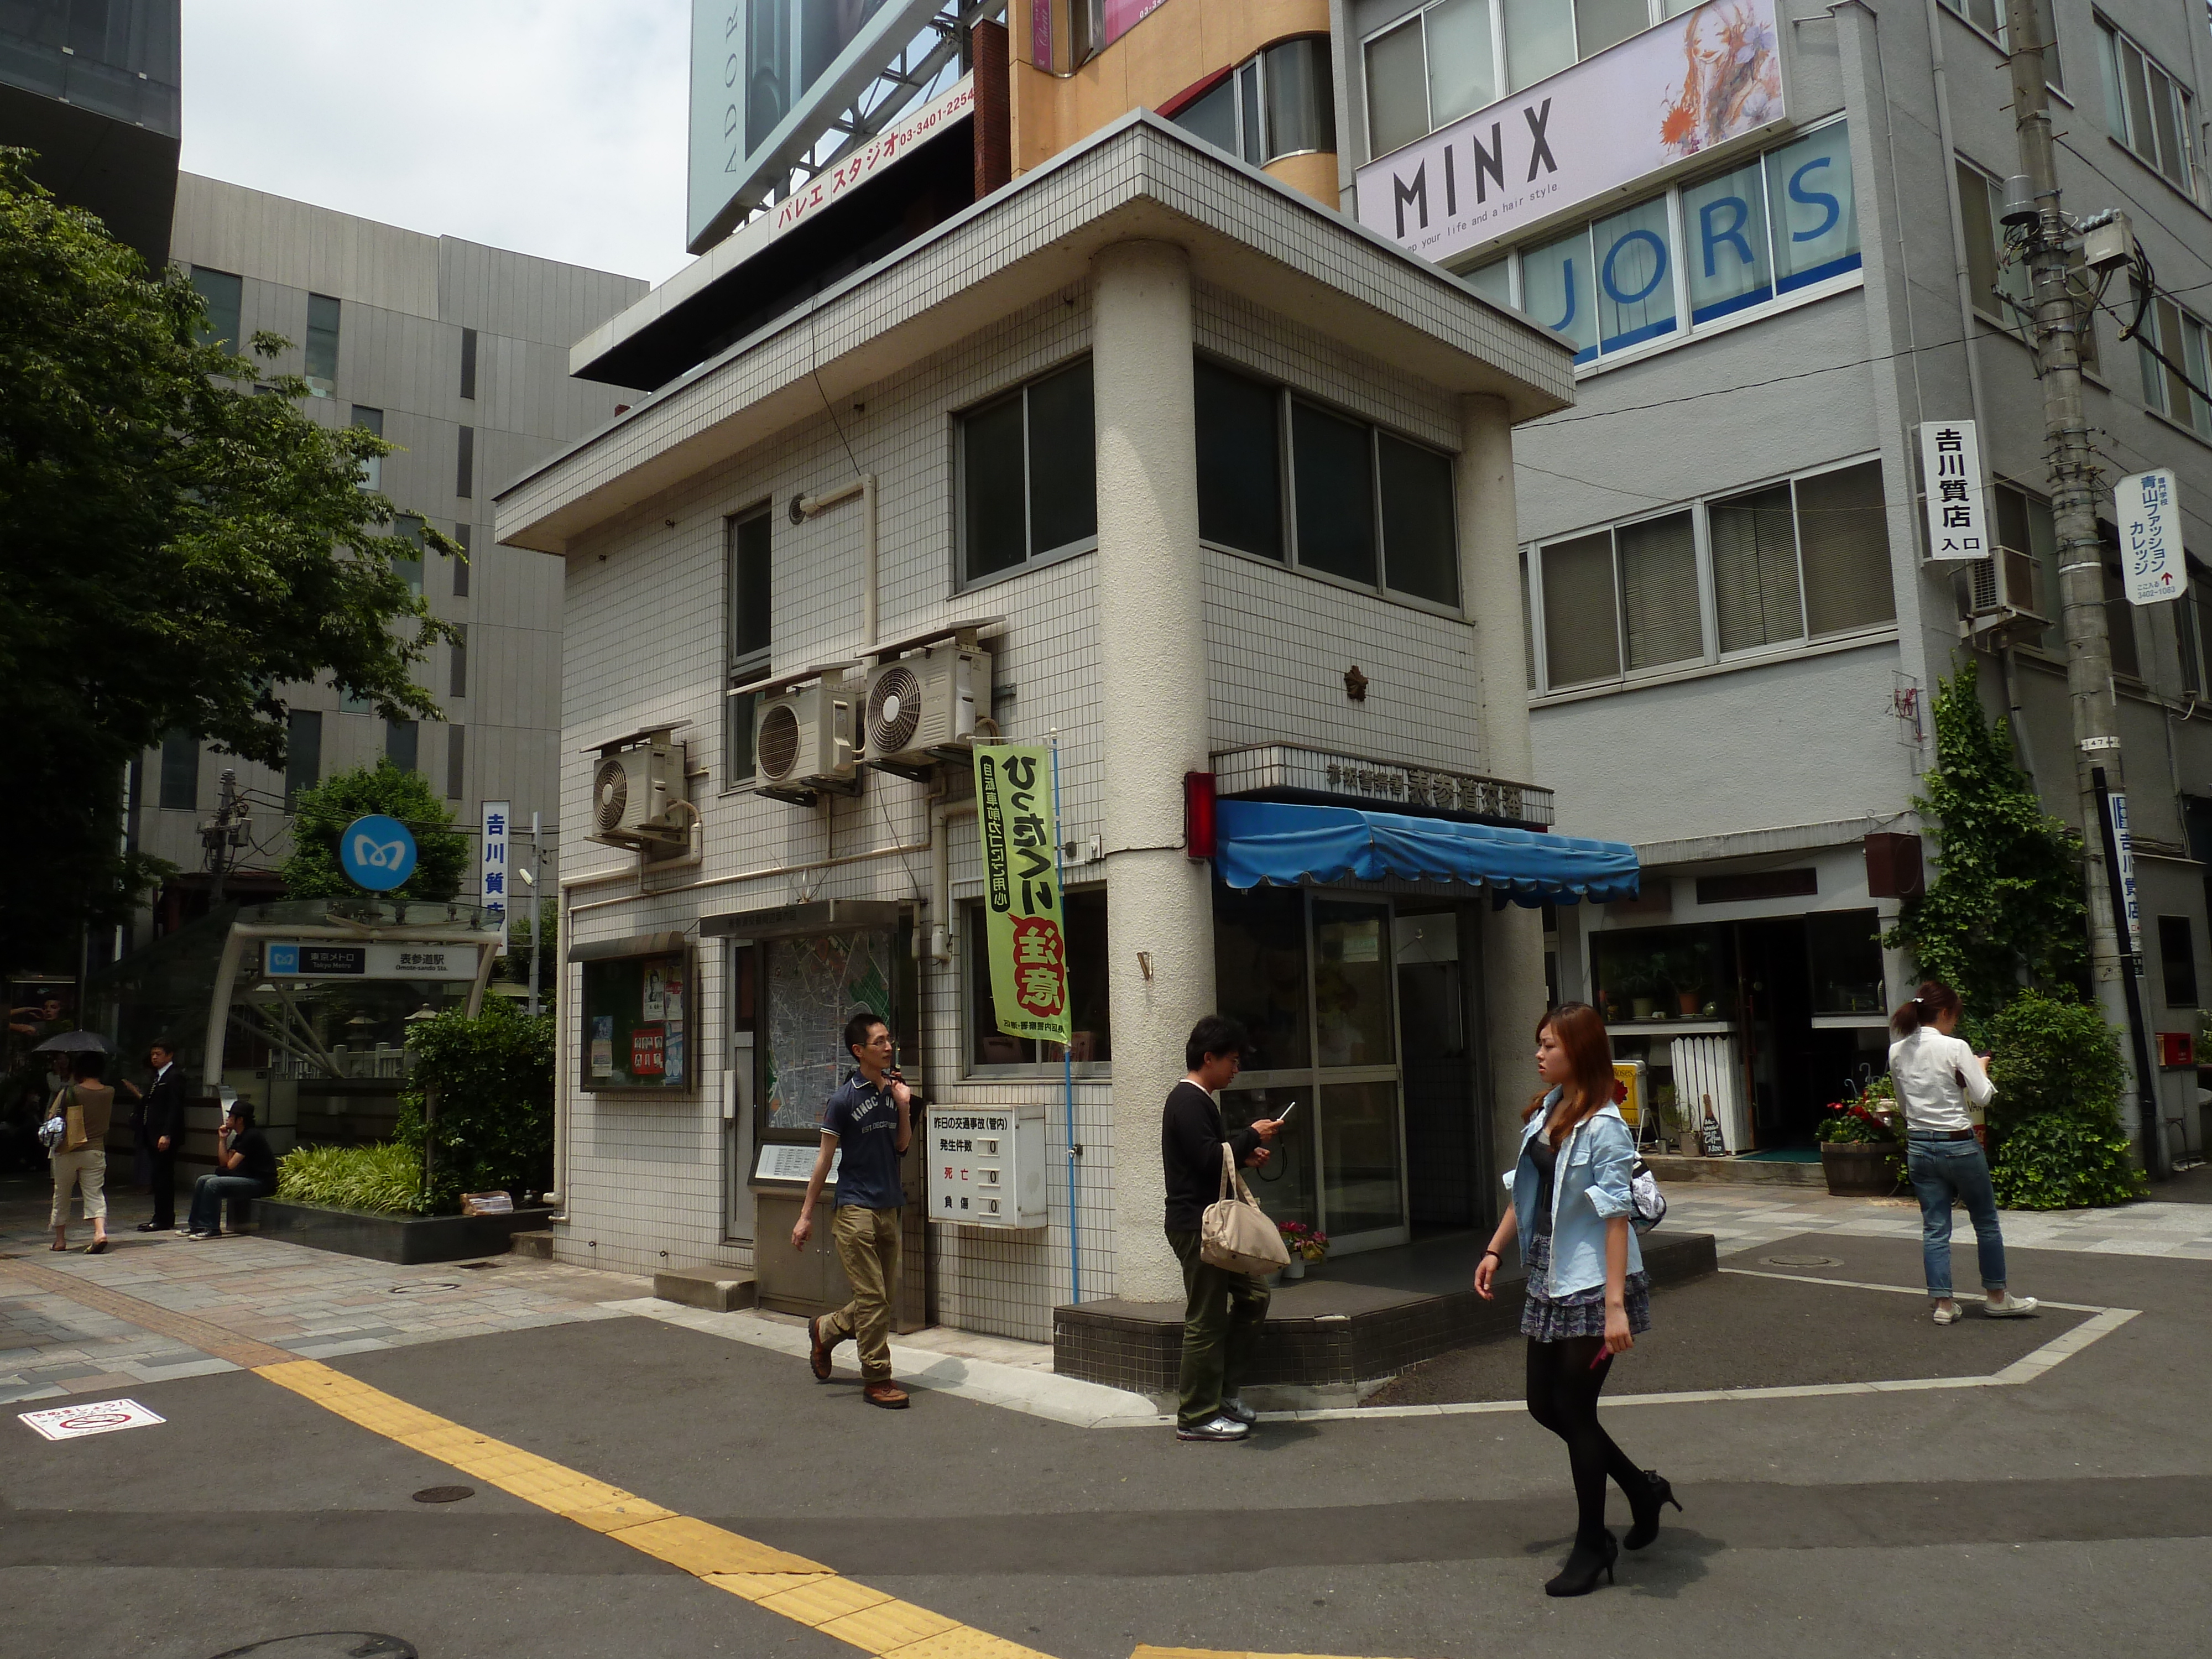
1247, 83
995, 509
1301, 98
322, 340
1063, 460
222, 292
1335, 494
1212, 117
1843, 529
457, 763
2120, 625
461, 565
1845, 949
1659, 592
469, 363
750, 587
737, 738
1420, 551
1755, 569
1240, 462
400, 741
458, 685
464, 464
1582, 619
1086, 915
303, 753
1260, 971
410, 528
2177, 956
180, 772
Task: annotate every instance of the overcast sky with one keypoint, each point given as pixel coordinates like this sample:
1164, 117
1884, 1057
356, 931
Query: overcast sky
553, 127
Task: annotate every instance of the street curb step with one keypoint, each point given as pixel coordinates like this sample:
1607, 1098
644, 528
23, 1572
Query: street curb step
1670, 1167
717, 1290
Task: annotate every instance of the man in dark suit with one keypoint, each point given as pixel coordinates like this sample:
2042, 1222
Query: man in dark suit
162, 1135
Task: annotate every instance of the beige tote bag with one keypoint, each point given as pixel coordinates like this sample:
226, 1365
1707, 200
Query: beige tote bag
1234, 1233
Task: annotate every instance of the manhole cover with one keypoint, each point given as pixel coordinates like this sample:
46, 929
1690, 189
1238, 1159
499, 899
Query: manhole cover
425, 1289
327, 1644
444, 1494
1802, 1260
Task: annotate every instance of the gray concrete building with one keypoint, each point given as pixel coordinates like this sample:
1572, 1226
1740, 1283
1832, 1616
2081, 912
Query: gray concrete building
1783, 258
457, 353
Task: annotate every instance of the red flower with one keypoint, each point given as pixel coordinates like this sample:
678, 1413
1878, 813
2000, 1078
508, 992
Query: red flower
1620, 1091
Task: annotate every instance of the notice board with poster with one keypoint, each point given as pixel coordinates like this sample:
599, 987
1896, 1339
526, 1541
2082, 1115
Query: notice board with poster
636, 1025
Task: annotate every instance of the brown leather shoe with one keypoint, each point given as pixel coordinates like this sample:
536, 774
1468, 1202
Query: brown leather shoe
886, 1393
819, 1359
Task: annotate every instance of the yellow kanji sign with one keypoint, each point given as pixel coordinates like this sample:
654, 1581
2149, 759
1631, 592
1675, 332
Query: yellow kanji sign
1024, 928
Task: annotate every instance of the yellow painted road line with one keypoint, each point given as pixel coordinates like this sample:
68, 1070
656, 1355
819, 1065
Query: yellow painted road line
1148, 1652
775, 1580
214, 1339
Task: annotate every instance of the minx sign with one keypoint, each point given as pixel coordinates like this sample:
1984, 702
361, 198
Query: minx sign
1656, 101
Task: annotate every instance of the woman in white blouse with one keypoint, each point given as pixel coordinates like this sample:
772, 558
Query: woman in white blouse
1936, 1075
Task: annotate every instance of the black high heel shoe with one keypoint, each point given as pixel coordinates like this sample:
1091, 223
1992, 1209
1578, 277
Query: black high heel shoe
1646, 1507
1578, 1577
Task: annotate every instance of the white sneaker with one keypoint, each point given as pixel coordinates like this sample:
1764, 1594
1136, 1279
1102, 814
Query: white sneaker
1946, 1314
2013, 1307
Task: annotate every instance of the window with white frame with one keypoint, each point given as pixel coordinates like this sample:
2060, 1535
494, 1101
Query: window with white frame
1288, 480
1028, 475
1451, 58
2025, 525
2147, 109
2192, 622
1694, 256
1989, 16
1279, 102
2171, 353
991, 1052
1803, 559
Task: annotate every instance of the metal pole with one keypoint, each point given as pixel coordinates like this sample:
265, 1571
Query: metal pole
537, 910
2059, 315
1067, 1049
2153, 1144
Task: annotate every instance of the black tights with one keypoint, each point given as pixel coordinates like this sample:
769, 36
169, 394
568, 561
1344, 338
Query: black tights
1563, 1391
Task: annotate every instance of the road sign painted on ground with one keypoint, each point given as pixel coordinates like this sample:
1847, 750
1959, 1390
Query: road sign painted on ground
376, 853
2150, 536
101, 1417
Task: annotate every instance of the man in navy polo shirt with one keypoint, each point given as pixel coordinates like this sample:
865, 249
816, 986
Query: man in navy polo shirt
869, 1118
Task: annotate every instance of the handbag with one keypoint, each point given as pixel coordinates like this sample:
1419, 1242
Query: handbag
1647, 1205
76, 1139
1234, 1233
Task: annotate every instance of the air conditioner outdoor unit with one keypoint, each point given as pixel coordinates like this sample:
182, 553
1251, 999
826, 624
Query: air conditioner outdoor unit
2004, 601
922, 708
803, 742
637, 798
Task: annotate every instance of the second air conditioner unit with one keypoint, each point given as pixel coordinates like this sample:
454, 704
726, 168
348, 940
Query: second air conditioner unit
637, 796
921, 710
2003, 604
803, 742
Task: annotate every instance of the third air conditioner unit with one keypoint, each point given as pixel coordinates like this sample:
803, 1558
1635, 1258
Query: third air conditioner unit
2004, 602
637, 797
803, 742
922, 708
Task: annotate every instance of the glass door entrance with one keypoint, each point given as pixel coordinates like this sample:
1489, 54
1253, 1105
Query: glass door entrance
1311, 977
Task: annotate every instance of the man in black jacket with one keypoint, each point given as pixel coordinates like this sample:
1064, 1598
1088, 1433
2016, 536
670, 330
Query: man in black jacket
162, 1135
1222, 1311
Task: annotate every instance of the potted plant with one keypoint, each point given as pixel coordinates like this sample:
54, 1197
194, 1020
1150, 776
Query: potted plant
1686, 971
1859, 1147
1307, 1243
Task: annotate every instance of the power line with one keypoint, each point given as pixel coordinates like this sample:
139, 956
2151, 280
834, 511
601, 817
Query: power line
1550, 421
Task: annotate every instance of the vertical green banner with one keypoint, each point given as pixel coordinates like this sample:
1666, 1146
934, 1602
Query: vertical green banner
1025, 933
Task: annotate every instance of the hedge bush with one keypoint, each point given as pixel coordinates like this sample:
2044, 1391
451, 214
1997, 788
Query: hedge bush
2055, 1123
2064, 1161
385, 1179
492, 1128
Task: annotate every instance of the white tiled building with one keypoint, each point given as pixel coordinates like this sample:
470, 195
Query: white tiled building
1155, 304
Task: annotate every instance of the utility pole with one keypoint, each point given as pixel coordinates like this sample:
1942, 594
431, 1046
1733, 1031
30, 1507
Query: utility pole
231, 829
537, 910
2059, 314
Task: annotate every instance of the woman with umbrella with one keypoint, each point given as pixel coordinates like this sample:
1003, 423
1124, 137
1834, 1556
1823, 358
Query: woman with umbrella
83, 1106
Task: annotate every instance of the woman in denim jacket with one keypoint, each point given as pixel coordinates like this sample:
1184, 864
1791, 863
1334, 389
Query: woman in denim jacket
1588, 1297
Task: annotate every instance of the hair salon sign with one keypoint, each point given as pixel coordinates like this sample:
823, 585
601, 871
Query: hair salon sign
1658, 98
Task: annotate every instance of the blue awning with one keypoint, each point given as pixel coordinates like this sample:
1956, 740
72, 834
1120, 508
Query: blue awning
1271, 841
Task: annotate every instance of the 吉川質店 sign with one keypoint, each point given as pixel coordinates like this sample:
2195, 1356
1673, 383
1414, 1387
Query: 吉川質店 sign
1694, 83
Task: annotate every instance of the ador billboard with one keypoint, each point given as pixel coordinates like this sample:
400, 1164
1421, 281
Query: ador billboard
1659, 99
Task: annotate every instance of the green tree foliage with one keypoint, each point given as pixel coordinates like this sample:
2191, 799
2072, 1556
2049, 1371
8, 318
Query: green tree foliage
492, 1127
2007, 904
2056, 1120
178, 549
320, 813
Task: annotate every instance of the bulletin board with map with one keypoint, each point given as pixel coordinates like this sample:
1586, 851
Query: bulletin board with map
815, 984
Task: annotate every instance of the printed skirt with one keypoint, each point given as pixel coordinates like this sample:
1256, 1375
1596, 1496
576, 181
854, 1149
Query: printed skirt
1548, 1319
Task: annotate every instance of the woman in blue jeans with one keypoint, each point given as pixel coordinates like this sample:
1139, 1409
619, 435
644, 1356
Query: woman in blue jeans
1936, 1075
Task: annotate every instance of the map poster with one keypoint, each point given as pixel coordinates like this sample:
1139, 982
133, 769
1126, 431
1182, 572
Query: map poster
1025, 930
602, 1046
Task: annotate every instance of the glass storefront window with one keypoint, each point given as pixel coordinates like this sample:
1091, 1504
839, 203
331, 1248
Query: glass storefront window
1284, 1183
1352, 1019
1362, 1162
1845, 949
1260, 969
1646, 973
1090, 1027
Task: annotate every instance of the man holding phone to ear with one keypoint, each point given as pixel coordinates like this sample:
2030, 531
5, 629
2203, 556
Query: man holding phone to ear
1223, 1312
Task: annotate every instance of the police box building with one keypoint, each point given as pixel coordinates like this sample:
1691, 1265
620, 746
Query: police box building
1772, 234
1195, 494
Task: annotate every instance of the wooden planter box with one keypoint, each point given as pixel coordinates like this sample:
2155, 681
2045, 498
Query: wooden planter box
405, 1239
1857, 1168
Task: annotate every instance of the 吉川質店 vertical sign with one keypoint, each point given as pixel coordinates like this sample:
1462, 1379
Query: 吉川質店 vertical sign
1658, 98
2150, 536
1951, 487
494, 867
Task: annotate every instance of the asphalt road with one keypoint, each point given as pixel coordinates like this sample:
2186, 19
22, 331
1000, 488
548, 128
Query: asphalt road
2068, 1515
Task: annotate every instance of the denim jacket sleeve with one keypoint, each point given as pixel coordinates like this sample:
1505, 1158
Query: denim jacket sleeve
1613, 1156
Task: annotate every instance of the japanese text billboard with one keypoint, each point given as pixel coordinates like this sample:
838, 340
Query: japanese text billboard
1658, 98
1025, 932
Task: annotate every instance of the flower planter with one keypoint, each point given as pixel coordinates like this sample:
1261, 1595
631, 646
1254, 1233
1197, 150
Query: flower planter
406, 1240
1858, 1169
1294, 1268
